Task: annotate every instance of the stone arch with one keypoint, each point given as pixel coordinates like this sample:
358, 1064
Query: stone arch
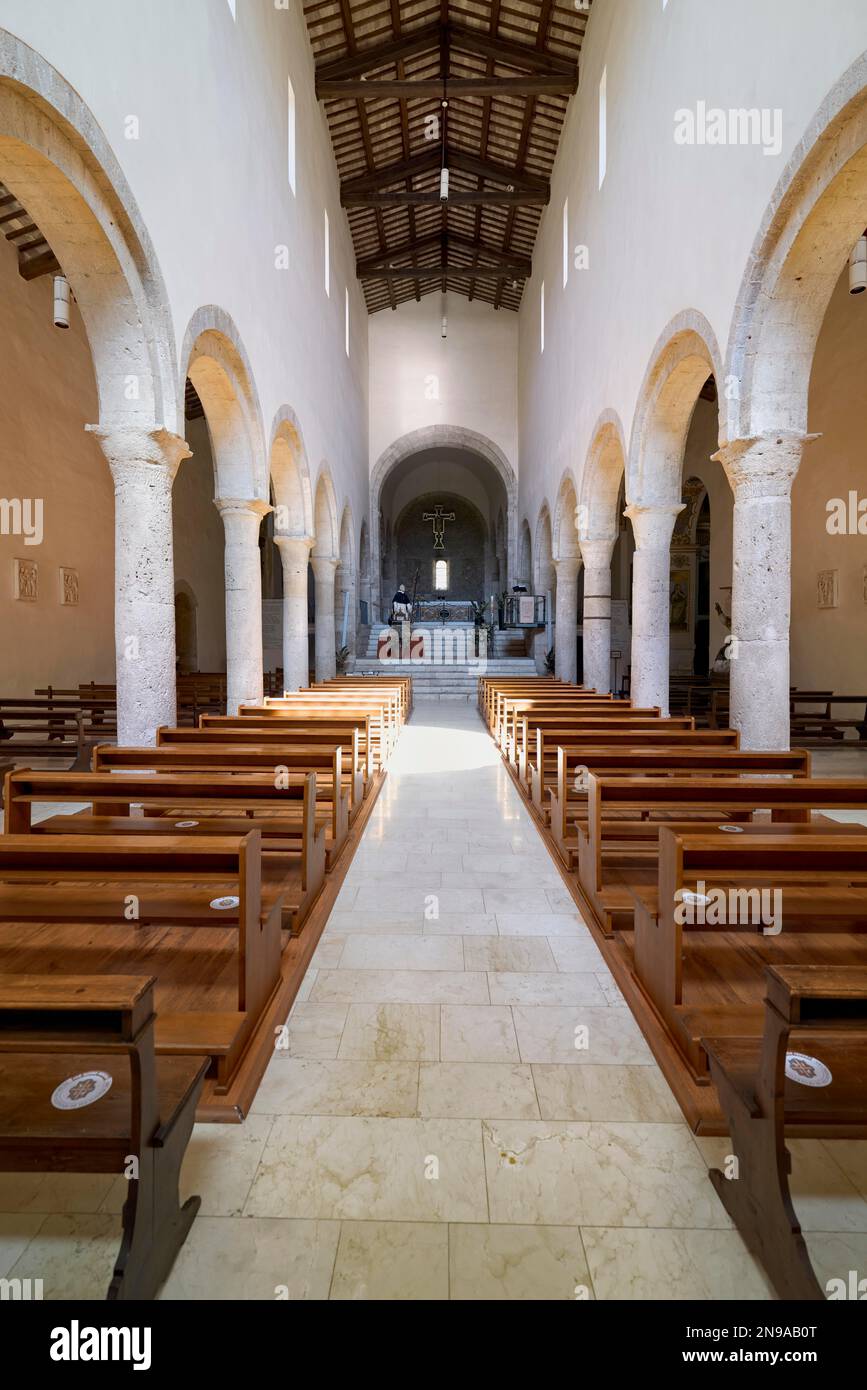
186, 627
290, 476
685, 355
565, 529
445, 437
56, 161
216, 362
602, 479
525, 556
543, 551
326, 544
815, 215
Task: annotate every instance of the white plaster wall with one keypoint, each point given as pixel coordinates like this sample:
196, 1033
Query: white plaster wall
199, 545
672, 226
209, 174
47, 396
468, 379
829, 646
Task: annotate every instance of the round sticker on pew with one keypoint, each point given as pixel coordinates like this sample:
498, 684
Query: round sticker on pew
77, 1091
731, 829
694, 899
223, 904
185, 824
807, 1071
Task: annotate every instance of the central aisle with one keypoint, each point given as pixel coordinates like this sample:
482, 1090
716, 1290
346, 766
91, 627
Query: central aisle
431, 1130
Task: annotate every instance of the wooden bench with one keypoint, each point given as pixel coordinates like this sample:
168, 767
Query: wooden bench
333, 787
617, 829
293, 829
93, 898
544, 770
54, 1031
577, 727
354, 733
826, 726
821, 1009
703, 976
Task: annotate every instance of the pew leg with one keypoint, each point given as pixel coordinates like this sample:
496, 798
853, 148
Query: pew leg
759, 1202
155, 1224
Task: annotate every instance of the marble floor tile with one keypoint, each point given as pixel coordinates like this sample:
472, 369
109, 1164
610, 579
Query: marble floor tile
518, 1263
460, 924
577, 952
615, 1174
538, 987
512, 922
398, 952
394, 1260
508, 953
17, 1229
457, 1090
409, 900
244, 1259
401, 986
478, 1034
389, 924
549, 1034
628, 1093
371, 1170
328, 953
839, 1256
73, 1254
304, 1086
392, 1033
645, 1265
519, 900
314, 1030
59, 1193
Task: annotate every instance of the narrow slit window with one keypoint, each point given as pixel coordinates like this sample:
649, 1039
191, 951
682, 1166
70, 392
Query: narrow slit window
346, 320
603, 125
565, 243
327, 255
542, 317
441, 576
290, 150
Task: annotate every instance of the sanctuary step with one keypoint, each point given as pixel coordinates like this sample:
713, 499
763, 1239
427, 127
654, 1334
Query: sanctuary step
445, 681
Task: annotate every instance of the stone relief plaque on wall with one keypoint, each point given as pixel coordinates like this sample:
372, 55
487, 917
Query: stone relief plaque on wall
828, 588
68, 587
26, 585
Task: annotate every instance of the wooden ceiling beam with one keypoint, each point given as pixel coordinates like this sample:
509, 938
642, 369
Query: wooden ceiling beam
424, 272
46, 264
388, 260
460, 160
488, 197
392, 173
414, 88
379, 55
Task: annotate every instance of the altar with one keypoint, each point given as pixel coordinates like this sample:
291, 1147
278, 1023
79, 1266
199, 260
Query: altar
444, 610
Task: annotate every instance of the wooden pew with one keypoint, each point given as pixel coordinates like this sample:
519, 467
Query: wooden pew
544, 770
384, 713
617, 828
575, 727
289, 747
345, 731
818, 1011
827, 727
333, 786
54, 1030
293, 830
80, 896
621, 785
703, 977
48, 732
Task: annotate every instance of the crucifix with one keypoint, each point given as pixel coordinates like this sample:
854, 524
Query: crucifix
439, 519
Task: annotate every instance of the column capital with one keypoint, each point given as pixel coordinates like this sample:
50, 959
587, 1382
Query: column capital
242, 506
324, 566
567, 566
653, 523
294, 547
596, 551
764, 465
130, 445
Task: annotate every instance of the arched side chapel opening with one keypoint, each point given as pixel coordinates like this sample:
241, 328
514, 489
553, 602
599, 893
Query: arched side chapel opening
544, 582
567, 565
292, 530
63, 176
685, 357
604, 537
323, 568
216, 364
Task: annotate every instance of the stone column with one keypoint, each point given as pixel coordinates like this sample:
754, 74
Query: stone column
652, 527
344, 584
295, 557
143, 465
566, 628
323, 574
597, 554
242, 518
761, 472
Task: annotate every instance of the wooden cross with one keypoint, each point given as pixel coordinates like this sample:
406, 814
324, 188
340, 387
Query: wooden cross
439, 519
